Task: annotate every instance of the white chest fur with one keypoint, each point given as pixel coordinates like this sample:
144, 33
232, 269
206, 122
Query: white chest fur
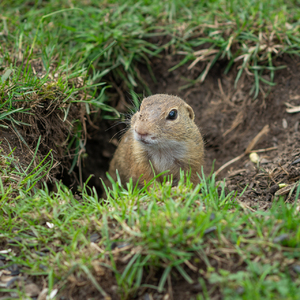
162, 158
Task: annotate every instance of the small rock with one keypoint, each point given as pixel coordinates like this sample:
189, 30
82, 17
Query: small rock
240, 290
254, 157
12, 296
212, 216
284, 123
147, 297
43, 267
265, 161
296, 268
281, 238
211, 229
122, 245
273, 189
14, 270
295, 161
196, 288
32, 290
94, 237
39, 253
275, 141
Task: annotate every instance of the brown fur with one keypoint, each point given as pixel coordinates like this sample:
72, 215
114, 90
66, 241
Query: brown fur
177, 143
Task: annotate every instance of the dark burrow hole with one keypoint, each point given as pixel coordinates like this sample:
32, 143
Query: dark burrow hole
228, 117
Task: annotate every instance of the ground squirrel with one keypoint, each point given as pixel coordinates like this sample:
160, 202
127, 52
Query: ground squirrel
163, 131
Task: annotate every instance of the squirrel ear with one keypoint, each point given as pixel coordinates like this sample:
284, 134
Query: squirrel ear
190, 111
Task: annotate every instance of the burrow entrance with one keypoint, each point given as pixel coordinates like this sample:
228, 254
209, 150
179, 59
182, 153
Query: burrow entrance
228, 117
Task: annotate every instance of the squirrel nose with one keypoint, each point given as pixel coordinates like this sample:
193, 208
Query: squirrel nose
141, 132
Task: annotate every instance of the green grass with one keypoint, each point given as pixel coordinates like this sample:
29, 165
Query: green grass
57, 55
111, 37
193, 234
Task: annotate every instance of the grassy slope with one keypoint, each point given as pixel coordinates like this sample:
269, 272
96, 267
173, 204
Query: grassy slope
257, 252
246, 254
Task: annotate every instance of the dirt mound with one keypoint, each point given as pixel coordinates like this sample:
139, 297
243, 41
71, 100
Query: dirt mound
43, 119
226, 113
229, 119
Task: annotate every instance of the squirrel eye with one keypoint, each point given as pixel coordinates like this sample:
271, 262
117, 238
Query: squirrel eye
172, 114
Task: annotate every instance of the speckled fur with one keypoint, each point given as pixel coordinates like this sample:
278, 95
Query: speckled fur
173, 144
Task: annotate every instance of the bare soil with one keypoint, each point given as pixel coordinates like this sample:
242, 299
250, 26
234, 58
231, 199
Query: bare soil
229, 119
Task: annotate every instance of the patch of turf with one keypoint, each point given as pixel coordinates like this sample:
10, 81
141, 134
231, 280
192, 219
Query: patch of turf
112, 37
150, 239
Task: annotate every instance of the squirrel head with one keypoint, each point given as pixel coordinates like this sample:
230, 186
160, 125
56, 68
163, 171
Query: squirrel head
163, 121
